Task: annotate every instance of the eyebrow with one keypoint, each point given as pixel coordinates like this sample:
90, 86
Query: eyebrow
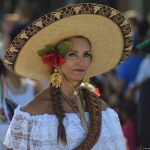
77, 51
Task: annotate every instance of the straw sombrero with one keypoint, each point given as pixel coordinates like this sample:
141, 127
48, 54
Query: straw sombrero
107, 29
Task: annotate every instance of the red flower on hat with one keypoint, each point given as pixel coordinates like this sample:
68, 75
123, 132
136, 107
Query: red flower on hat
52, 59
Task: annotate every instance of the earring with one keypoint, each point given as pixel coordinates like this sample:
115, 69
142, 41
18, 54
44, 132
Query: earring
86, 81
56, 79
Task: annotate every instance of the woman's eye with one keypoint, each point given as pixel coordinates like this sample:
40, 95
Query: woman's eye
87, 55
71, 54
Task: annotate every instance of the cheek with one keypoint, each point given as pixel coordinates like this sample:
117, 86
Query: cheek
88, 62
66, 67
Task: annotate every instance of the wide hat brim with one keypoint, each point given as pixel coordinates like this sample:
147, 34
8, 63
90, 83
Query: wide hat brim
107, 29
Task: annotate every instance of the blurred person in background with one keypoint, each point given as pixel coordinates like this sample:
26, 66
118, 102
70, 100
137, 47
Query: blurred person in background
132, 92
135, 19
124, 75
25, 11
7, 23
23, 15
143, 114
128, 115
143, 70
120, 78
13, 88
142, 85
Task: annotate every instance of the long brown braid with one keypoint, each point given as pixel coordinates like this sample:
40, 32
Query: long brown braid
59, 112
94, 109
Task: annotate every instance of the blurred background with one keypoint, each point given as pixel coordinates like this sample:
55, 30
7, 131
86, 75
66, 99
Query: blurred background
43, 7
120, 88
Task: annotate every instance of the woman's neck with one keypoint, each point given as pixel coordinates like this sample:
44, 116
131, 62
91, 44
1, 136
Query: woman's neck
67, 88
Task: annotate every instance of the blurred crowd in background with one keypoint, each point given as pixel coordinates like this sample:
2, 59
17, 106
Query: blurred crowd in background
120, 87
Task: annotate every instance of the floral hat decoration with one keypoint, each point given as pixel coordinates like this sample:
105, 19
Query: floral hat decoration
109, 32
52, 56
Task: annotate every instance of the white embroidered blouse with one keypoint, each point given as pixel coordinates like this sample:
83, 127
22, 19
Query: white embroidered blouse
39, 132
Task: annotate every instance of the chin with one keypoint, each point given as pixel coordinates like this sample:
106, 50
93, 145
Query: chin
79, 79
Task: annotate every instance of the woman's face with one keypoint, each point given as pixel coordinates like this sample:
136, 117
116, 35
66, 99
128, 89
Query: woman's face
77, 60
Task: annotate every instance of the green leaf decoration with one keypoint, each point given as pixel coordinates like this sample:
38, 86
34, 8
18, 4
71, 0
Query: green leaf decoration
64, 47
41, 52
49, 49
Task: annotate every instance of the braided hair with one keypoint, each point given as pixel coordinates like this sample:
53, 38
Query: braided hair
59, 112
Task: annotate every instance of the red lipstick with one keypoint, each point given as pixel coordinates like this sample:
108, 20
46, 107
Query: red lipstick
79, 70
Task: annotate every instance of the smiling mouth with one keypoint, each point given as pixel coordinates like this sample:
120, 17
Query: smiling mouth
79, 70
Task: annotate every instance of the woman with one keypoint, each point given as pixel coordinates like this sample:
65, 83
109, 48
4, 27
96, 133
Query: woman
72, 44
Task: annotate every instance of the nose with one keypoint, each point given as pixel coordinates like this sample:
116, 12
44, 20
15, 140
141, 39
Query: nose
80, 60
